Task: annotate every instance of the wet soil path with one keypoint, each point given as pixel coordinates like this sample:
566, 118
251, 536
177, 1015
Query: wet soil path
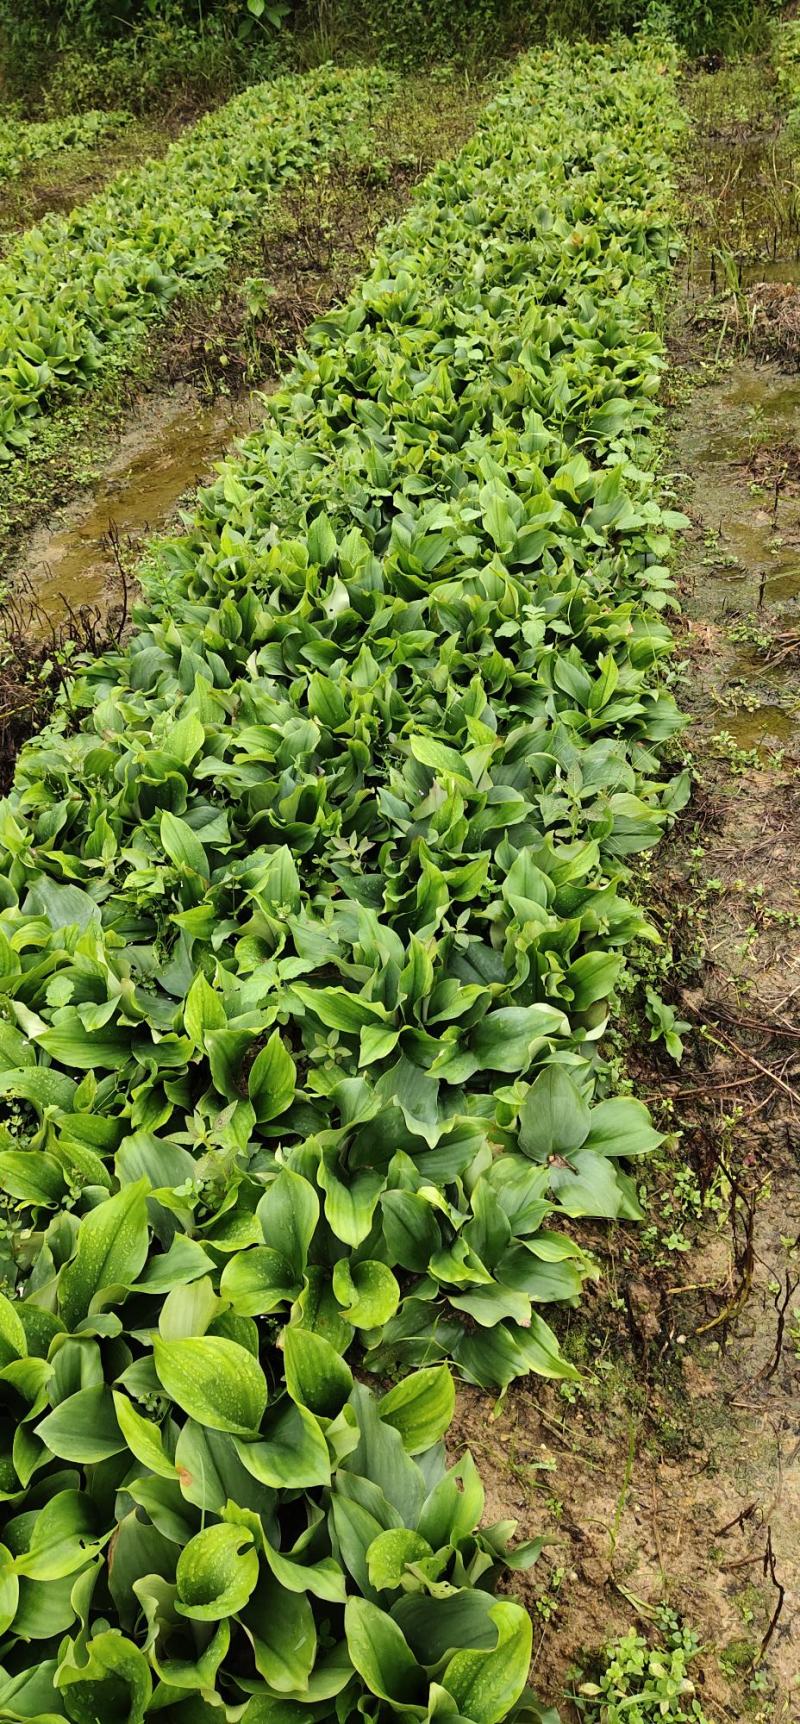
77, 558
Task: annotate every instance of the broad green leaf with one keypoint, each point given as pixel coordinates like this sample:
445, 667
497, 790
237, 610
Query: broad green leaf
321, 542
143, 1438
39, 1085
280, 1626
554, 1118
217, 1571
389, 1554
367, 1292
420, 1408
68, 1042
454, 1507
316, 1309
111, 1251
486, 1685
505, 1040
13, 1339
189, 1310
592, 978
620, 1127
184, 1262
257, 1281
293, 1452
63, 1538
381, 1654
214, 1380
380, 1456
463, 1619
32, 1177
203, 1011
271, 1082
326, 701
9, 1589
184, 848
325, 1579
111, 1678
592, 1185
316, 1377
338, 1009
410, 1229
289, 1212
83, 1427
350, 1207
211, 1474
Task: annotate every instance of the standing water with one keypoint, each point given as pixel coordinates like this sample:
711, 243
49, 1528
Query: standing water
169, 447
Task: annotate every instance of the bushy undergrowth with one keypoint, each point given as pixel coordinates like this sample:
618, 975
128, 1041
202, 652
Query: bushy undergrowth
162, 54
309, 933
405, 30
163, 65
77, 292
787, 66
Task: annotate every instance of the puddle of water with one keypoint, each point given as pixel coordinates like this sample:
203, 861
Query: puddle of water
745, 208
163, 456
766, 724
748, 558
778, 269
784, 586
751, 406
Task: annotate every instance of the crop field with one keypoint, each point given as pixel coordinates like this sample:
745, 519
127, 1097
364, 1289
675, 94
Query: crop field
397, 1000
22, 142
76, 292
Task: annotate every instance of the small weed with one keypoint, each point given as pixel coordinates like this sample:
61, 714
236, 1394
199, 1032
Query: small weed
637, 1683
678, 1209
665, 1024
794, 1334
737, 1657
744, 760
750, 633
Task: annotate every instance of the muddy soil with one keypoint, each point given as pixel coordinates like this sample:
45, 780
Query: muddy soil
77, 559
673, 1474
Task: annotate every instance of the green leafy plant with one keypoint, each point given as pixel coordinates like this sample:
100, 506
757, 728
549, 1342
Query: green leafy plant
665, 1025
309, 1547
347, 881
312, 913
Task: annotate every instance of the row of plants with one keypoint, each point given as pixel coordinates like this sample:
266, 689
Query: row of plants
78, 291
313, 908
26, 141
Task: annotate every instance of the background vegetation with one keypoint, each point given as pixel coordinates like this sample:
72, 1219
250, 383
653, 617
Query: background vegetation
63, 55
